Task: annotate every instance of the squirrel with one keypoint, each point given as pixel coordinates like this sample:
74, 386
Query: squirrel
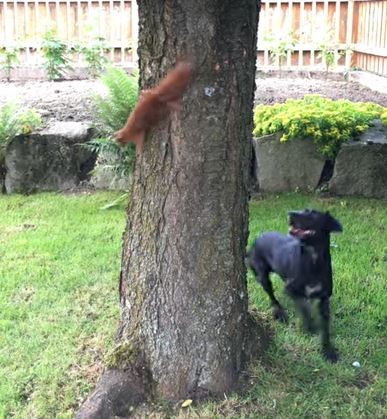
155, 105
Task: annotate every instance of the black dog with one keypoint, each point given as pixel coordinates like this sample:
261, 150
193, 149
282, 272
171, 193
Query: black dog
303, 260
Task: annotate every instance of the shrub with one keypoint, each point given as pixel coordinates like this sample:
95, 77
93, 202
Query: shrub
329, 123
55, 52
383, 117
14, 121
10, 57
111, 113
280, 47
93, 54
328, 54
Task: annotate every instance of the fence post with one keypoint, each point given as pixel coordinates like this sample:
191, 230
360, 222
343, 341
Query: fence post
134, 25
348, 37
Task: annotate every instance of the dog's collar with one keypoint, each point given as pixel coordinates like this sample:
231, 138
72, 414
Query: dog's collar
301, 234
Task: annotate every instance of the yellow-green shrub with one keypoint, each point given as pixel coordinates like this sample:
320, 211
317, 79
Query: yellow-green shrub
15, 120
327, 122
383, 117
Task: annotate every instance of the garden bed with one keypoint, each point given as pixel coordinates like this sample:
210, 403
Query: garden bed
71, 100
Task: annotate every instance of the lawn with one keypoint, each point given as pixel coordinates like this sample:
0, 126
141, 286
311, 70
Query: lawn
59, 264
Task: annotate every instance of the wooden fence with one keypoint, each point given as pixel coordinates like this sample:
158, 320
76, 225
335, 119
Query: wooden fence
356, 30
23, 23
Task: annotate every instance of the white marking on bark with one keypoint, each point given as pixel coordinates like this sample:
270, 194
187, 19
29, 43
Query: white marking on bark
209, 91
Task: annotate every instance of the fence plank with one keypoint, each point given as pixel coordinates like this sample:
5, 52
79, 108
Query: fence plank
111, 24
289, 28
134, 33
301, 37
313, 23
348, 36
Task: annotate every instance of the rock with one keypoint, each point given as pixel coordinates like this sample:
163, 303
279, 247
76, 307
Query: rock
361, 169
50, 160
289, 166
377, 133
2, 176
79, 131
102, 178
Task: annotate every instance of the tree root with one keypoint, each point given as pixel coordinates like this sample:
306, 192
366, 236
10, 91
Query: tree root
120, 390
116, 392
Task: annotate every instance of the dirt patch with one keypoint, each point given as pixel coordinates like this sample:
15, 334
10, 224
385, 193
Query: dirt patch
72, 100
276, 89
55, 101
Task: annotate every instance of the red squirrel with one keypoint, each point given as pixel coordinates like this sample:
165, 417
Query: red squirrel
154, 105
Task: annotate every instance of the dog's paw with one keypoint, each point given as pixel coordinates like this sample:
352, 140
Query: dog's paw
280, 315
330, 354
309, 327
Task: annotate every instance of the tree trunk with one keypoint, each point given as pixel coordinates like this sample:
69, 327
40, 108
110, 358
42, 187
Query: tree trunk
183, 281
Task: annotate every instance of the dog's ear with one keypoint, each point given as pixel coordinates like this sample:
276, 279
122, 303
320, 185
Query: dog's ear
331, 224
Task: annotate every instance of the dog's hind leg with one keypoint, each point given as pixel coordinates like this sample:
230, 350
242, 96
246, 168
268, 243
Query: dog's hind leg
328, 351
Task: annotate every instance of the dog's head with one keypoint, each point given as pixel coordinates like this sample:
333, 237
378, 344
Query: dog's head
310, 223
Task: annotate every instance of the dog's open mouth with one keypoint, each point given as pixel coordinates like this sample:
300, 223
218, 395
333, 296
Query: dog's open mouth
300, 233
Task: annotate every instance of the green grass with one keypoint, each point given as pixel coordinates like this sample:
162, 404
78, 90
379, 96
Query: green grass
298, 382
59, 265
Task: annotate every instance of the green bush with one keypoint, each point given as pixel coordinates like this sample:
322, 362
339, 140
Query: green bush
93, 54
14, 121
9, 57
280, 47
111, 113
55, 52
327, 122
383, 117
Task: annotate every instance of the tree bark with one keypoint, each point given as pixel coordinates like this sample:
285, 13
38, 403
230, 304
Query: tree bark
183, 280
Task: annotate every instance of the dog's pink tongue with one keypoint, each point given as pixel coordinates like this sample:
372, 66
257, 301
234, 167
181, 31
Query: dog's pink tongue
300, 233
294, 231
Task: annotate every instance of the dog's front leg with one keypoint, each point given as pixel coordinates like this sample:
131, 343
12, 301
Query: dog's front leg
303, 306
329, 352
277, 310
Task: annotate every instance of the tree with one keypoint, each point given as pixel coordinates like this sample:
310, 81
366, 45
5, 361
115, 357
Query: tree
185, 329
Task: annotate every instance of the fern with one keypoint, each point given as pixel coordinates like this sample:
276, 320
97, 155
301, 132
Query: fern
112, 111
115, 159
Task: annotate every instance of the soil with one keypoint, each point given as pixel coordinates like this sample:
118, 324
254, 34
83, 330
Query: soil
276, 89
72, 100
55, 101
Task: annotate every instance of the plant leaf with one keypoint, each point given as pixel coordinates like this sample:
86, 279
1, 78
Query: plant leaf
186, 403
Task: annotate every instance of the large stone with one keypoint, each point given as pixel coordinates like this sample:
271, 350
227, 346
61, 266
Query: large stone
105, 178
377, 133
50, 160
2, 176
289, 166
361, 167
